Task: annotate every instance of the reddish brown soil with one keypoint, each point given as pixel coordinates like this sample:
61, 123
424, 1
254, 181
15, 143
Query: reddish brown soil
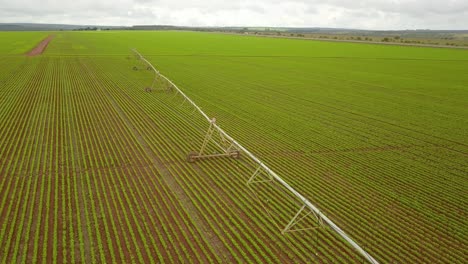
40, 48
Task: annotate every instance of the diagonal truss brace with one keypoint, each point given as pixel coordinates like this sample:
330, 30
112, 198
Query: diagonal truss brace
295, 220
227, 147
255, 178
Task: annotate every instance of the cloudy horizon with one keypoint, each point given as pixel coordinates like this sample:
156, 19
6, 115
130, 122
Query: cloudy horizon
364, 14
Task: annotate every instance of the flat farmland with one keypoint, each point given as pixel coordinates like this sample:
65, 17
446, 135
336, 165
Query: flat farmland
93, 168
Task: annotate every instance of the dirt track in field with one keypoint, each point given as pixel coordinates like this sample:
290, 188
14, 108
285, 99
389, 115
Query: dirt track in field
40, 48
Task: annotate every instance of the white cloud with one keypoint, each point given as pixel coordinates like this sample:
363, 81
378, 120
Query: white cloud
366, 14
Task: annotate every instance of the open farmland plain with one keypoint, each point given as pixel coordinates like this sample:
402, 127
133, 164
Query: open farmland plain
93, 168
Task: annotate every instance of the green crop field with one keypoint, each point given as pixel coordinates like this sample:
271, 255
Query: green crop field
93, 168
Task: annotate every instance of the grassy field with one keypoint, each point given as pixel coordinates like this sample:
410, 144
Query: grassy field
92, 167
15, 43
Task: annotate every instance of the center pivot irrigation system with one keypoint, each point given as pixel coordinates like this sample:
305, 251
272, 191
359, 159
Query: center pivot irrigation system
231, 148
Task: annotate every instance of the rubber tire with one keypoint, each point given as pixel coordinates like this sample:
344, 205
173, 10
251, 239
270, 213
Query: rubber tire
235, 154
190, 157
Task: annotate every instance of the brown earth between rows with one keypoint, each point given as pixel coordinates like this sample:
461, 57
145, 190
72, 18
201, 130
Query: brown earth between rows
40, 48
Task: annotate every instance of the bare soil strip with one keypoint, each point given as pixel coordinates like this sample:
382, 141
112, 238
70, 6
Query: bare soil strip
40, 48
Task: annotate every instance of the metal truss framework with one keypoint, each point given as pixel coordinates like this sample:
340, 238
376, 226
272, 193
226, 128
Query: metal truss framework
260, 175
295, 220
229, 146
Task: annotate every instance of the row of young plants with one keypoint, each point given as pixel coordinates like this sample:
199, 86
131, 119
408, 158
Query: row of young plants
419, 254
22, 115
160, 139
182, 235
129, 210
179, 130
374, 181
94, 96
136, 120
68, 194
374, 169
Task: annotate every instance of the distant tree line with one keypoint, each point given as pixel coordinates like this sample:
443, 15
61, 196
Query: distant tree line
90, 29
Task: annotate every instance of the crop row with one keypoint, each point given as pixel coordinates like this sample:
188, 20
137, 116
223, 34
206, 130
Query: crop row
77, 185
384, 174
398, 227
95, 170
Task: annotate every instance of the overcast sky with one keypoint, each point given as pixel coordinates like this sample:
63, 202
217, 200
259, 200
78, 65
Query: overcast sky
364, 14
